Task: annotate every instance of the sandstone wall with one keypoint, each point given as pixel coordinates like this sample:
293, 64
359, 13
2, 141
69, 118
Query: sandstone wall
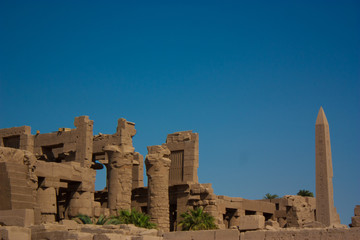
184, 147
293, 234
355, 221
71, 230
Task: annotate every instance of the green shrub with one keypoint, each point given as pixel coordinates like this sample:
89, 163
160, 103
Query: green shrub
85, 219
197, 219
132, 217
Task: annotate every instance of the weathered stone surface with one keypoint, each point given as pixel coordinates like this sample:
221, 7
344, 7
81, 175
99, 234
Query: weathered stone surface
184, 147
228, 234
137, 171
157, 169
146, 238
81, 203
15, 233
314, 224
70, 224
119, 176
149, 232
355, 221
357, 210
251, 222
325, 210
17, 137
48, 227
190, 235
177, 236
97, 229
111, 236
17, 217
47, 200
273, 224
300, 234
300, 212
17, 179
84, 142
253, 235
61, 235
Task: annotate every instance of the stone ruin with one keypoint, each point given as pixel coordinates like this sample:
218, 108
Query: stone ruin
48, 178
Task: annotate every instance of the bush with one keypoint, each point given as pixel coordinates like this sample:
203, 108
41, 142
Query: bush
132, 217
197, 220
85, 219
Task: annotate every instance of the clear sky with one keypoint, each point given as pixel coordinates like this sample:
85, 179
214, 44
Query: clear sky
248, 76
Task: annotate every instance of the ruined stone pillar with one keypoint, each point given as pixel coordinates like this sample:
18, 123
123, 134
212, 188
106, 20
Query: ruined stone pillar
119, 177
157, 169
138, 165
84, 142
47, 202
325, 210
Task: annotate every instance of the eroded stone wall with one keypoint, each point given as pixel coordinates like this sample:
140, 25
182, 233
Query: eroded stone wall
184, 147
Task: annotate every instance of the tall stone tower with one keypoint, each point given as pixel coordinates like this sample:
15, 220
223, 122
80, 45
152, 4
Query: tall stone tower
325, 210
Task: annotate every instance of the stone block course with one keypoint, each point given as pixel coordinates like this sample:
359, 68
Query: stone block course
17, 217
251, 222
146, 238
228, 234
355, 221
111, 236
15, 233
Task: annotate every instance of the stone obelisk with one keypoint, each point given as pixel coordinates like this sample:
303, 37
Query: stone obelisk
325, 210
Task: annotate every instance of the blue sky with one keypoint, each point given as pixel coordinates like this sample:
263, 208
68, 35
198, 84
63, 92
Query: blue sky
248, 76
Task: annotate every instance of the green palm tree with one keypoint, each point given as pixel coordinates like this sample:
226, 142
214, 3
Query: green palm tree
270, 196
305, 193
132, 217
197, 219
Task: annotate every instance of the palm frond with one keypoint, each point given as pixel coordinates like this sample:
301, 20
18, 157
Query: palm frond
197, 219
305, 193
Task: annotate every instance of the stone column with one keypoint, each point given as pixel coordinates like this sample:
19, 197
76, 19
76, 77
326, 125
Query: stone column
325, 210
119, 177
157, 169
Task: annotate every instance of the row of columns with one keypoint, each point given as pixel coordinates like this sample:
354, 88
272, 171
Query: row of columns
120, 181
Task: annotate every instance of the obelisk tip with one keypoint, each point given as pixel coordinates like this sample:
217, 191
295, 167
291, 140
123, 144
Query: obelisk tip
321, 118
